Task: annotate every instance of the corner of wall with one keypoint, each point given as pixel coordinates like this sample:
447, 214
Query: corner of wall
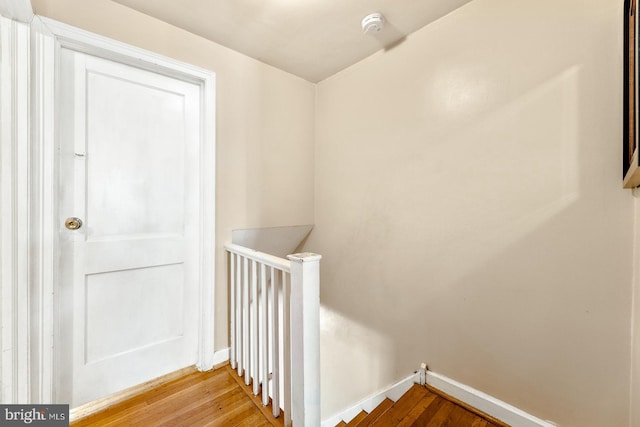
18, 10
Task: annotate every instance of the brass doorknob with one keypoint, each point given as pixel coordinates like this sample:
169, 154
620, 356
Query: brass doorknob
73, 223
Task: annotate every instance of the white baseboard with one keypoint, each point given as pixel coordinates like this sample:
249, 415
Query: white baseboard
485, 403
393, 392
475, 398
221, 356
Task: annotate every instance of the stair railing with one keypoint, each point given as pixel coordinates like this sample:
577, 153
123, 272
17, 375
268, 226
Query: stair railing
275, 330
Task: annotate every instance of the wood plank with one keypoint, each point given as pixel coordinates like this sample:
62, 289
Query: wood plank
256, 420
267, 411
462, 417
233, 417
430, 412
402, 407
141, 400
99, 405
157, 414
377, 412
214, 398
357, 419
489, 418
418, 411
156, 401
189, 404
441, 417
432, 408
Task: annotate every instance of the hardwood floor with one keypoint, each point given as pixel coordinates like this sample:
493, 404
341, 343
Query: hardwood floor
220, 398
214, 398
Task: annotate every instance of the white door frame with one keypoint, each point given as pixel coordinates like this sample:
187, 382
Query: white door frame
14, 218
30, 184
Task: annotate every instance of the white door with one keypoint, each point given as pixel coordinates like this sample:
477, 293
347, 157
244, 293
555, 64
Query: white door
127, 301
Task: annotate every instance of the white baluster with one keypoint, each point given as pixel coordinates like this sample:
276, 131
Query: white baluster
232, 316
286, 362
264, 344
245, 319
275, 343
239, 317
254, 328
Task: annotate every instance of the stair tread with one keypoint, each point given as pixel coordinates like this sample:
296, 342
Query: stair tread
441, 417
402, 407
423, 406
341, 424
377, 412
422, 411
466, 418
357, 419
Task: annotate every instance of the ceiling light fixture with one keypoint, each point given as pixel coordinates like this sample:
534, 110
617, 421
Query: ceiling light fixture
372, 23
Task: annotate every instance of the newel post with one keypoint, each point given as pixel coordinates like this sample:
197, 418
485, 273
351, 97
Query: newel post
305, 339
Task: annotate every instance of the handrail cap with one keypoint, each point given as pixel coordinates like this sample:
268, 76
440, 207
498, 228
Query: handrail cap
304, 257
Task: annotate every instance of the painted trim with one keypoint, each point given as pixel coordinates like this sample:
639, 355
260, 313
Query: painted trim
84, 41
221, 356
475, 398
15, 164
393, 392
43, 229
207, 80
49, 37
485, 403
278, 241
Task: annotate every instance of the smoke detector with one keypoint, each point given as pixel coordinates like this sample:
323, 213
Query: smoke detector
372, 23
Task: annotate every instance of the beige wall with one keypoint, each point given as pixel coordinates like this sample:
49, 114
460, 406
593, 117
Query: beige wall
470, 211
468, 202
264, 131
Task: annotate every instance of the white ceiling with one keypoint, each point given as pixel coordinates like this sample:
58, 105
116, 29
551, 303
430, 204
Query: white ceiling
313, 39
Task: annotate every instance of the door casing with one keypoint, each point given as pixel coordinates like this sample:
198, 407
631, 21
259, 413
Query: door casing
35, 267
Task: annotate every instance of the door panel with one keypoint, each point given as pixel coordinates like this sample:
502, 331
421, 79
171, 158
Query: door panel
128, 299
123, 295
149, 132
